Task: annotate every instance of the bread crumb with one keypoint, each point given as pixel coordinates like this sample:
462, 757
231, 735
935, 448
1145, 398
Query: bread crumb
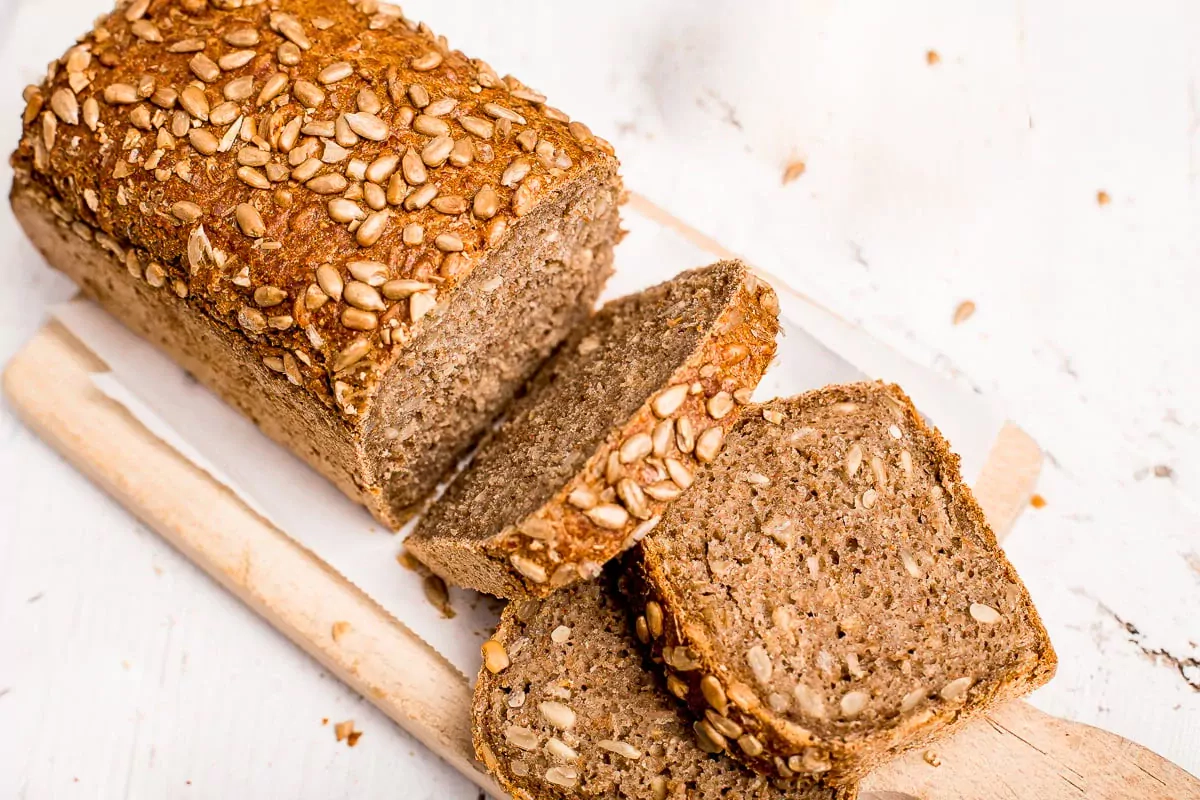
1037, 501
339, 629
324, 720
438, 595
353, 738
1163, 471
932, 58
794, 169
345, 730
1103, 198
932, 758
964, 311
409, 561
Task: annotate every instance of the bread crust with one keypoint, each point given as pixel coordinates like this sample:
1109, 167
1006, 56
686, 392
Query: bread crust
320, 180
781, 747
566, 540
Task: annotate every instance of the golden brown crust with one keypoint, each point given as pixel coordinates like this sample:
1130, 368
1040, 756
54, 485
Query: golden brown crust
765, 739
622, 490
210, 141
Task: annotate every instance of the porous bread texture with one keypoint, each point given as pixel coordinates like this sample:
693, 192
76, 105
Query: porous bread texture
576, 714
385, 237
830, 591
613, 429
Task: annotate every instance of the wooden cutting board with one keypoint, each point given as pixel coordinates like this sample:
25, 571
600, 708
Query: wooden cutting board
1016, 751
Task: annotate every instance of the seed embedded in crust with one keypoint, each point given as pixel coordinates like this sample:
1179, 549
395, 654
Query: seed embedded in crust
437, 151
956, 690
363, 296
637, 446
368, 126
642, 630
984, 614
608, 515
633, 498
720, 405
560, 749
477, 126
429, 125
709, 739
268, 296
358, 320
583, 498
663, 491
679, 473
241, 37
250, 221
557, 714
722, 724
521, 737
760, 664
530, 569
351, 354
65, 106
495, 657
709, 444
676, 686
120, 94
335, 72
186, 211
497, 111
808, 701
562, 776
853, 703
204, 68
623, 749
714, 693
516, 172
252, 177
421, 304
654, 618
402, 288
912, 699
854, 457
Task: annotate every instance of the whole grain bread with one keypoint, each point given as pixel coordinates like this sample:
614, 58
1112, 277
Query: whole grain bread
613, 429
829, 594
364, 240
565, 708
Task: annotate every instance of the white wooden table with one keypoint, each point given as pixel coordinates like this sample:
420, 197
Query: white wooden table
124, 671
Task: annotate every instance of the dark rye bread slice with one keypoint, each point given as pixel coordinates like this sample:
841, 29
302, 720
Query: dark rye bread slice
830, 592
573, 712
613, 429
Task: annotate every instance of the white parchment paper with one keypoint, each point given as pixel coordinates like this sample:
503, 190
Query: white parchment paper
297, 500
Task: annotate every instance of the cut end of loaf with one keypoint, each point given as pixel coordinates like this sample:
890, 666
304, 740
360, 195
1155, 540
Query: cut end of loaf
565, 708
834, 578
611, 432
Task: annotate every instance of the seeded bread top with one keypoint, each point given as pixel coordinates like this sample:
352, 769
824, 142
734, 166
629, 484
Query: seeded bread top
830, 589
565, 708
318, 174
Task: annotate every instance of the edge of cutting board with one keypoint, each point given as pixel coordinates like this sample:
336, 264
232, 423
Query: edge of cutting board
49, 385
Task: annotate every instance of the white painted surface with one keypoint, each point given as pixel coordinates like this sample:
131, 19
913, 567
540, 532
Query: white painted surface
122, 666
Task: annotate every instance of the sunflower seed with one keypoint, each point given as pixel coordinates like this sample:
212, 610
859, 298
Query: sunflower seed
430, 125
185, 211
192, 45
530, 569
371, 273
120, 94
419, 95
272, 88
252, 177
363, 296
668, 400
912, 699
329, 183
401, 288
358, 320
956, 690
562, 776
437, 151
307, 170
661, 437
560, 749
250, 221
291, 29
557, 714
413, 168
252, 319
854, 457
632, 497
516, 172
583, 498
760, 663
426, 61
372, 228
497, 111
722, 724
224, 113
486, 203
663, 491
367, 126
853, 703
351, 354
707, 737
679, 473
719, 405
709, 444
521, 737
242, 37
156, 276
204, 68
421, 304
342, 210
335, 72
984, 614
65, 106
623, 749
421, 197
382, 168
477, 126
608, 515
330, 281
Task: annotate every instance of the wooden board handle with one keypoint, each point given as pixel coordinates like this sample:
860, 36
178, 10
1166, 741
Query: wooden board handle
1017, 752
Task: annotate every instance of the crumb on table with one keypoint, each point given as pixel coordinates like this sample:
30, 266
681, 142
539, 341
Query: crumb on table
932, 58
1037, 501
794, 169
963, 311
932, 758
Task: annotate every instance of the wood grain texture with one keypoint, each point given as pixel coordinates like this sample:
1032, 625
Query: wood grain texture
1016, 752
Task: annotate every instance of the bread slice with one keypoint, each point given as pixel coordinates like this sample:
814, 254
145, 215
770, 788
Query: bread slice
613, 429
830, 587
574, 713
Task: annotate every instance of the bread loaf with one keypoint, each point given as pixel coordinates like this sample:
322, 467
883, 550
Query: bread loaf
565, 708
830, 590
362, 239
613, 429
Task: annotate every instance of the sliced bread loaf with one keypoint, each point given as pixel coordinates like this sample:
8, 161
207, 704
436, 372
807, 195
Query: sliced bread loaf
565, 708
829, 589
613, 428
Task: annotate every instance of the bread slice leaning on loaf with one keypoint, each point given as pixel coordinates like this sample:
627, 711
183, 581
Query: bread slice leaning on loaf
363, 240
565, 708
830, 592
613, 429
